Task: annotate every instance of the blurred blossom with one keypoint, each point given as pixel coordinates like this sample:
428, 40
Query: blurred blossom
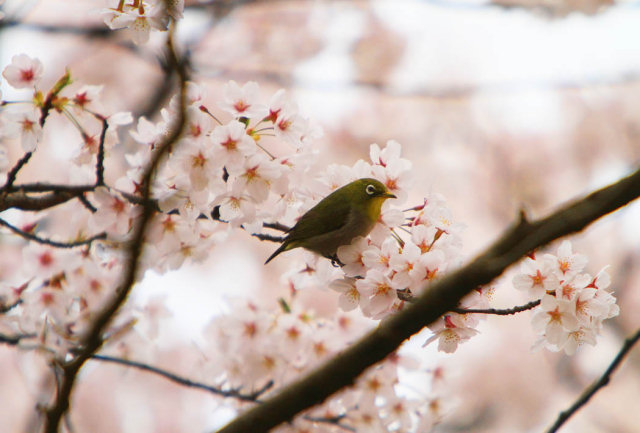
23, 72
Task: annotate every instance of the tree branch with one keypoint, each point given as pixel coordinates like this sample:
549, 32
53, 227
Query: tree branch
24, 201
13, 173
100, 157
498, 311
252, 397
57, 244
13, 340
443, 296
595, 386
92, 339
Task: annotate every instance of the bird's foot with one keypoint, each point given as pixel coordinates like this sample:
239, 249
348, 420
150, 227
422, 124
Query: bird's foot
335, 261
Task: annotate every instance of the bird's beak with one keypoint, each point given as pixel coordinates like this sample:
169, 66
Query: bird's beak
388, 195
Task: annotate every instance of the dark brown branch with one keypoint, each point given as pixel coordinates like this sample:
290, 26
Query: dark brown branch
334, 420
57, 244
9, 307
252, 397
20, 200
595, 386
13, 173
498, 311
100, 157
86, 203
14, 340
266, 237
92, 339
342, 370
276, 226
405, 295
51, 187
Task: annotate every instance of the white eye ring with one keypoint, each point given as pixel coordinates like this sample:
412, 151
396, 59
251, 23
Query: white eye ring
370, 189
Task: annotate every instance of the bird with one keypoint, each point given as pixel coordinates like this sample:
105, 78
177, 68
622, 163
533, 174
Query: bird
346, 213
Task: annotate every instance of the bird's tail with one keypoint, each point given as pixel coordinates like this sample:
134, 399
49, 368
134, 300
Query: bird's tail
284, 247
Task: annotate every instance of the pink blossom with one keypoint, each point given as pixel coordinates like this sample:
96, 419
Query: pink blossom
566, 263
243, 101
231, 145
23, 71
352, 257
114, 214
449, 334
536, 277
377, 293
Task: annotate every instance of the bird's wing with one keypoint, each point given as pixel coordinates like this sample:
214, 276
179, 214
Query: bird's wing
323, 218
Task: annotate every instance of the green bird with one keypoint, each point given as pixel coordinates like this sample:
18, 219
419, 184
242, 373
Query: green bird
346, 213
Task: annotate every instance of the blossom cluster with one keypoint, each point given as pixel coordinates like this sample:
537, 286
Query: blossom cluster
53, 297
573, 303
140, 17
255, 346
221, 175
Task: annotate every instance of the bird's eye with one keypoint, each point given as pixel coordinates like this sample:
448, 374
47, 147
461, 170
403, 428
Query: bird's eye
370, 189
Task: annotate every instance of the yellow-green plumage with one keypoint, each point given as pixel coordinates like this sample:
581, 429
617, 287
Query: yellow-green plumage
344, 214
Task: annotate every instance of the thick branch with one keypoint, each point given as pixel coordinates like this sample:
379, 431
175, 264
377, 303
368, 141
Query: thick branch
24, 201
595, 386
443, 296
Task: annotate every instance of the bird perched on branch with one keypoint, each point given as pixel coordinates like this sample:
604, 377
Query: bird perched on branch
346, 213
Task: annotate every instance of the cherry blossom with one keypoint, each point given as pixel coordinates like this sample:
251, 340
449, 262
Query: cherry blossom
243, 101
377, 293
114, 214
352, 257
449, 335
231, 144
536, 277
566, 262
23, 72
26, 125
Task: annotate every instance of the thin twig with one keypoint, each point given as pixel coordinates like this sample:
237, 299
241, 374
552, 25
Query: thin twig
9, 307
252, 397
57, 244
276, 226
436, 300
100, 157
14, 340
13, 173
86, 203
595, 386
266, 237
334, 420
405, 295
498, 311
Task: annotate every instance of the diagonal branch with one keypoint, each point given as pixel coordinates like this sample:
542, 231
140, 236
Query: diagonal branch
595, 386
342, 370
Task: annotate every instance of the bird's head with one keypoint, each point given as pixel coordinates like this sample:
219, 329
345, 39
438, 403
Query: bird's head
369, 194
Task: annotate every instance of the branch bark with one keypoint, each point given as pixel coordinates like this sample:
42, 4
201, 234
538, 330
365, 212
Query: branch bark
440, 298
595, 386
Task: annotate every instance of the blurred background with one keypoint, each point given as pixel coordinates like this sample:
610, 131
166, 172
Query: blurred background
499, 105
